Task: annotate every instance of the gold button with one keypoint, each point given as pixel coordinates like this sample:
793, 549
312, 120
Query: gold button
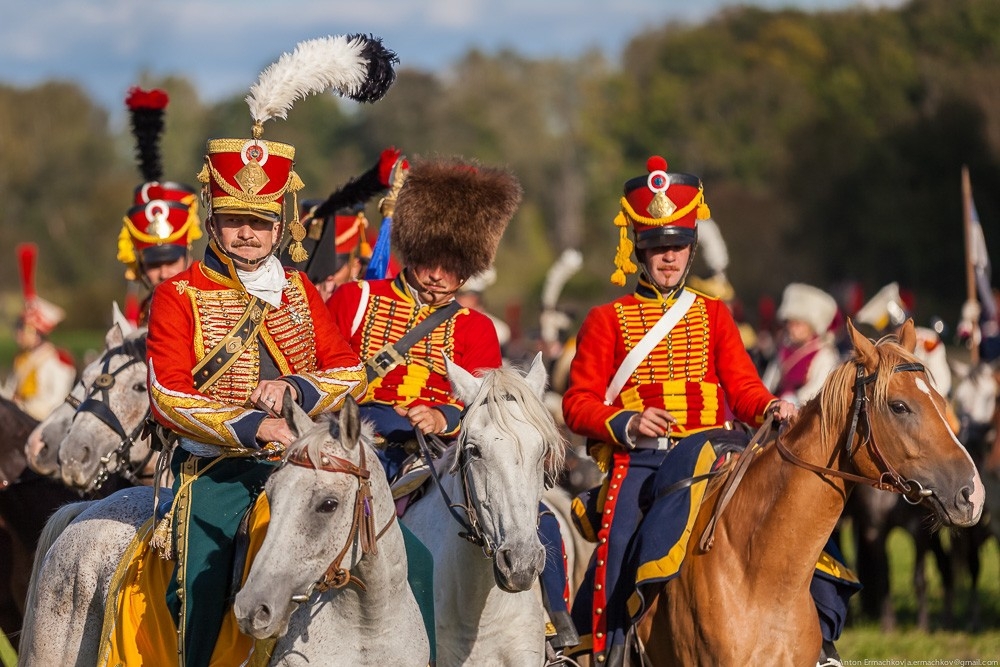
599, 611
598, 587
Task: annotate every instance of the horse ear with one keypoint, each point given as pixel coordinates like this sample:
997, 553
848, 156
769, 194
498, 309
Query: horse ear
463, 383
117, 317
350, 423
298, 419
908, 336
537, 378
114, 337
864, 348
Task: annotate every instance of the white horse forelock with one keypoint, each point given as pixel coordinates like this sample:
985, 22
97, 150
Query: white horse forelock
505, 384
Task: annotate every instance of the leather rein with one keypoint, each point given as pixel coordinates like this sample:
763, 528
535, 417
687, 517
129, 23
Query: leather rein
117, 460
362, 523
472, 528
889, 480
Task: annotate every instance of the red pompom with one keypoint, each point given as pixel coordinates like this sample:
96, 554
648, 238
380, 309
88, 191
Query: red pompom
386, 162
146, 99
656, 163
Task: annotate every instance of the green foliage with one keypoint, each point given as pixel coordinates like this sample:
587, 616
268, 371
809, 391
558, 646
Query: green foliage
830, 145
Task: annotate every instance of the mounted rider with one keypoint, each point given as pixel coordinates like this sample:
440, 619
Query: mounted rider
807, 353
652, 368
43, 374
447, 223
157, 231
235, 334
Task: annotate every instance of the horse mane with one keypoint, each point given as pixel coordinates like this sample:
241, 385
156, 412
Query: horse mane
837, 394
507, 384
313, 440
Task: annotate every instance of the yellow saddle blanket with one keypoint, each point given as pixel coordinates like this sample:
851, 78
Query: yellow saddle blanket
138, 626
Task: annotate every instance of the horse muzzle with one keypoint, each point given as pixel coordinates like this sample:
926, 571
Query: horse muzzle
964, 508
516, 572
261, 620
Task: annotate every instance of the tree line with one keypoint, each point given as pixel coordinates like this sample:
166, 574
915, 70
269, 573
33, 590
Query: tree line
830, 145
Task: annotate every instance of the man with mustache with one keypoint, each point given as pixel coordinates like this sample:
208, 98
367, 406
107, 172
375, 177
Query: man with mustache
230, 340
447, 224
652, 368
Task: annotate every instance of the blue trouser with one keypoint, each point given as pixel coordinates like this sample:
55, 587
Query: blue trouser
553, 580
206, 518
629, 498
628, 509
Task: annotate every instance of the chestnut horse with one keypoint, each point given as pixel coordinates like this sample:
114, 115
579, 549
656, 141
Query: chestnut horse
743, 597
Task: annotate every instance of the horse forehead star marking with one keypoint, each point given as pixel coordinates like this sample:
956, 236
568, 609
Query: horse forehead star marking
922, 386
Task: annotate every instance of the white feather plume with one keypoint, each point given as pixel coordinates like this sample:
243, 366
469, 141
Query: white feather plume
712, 245
559, 273
313, 67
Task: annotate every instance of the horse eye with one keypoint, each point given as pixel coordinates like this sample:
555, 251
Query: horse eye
899, 407
139, 387
328, 505
473, 451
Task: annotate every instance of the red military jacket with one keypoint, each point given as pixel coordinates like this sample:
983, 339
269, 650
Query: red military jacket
390, 310
193, 311
692, 373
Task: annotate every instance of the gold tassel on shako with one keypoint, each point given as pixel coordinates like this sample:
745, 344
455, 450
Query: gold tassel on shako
296, 230
623, 256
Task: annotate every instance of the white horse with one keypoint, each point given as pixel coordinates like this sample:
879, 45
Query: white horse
486, 612
106, 434
70, 585
87, 465
332, 509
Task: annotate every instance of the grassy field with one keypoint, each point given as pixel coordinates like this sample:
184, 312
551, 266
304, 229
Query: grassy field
863, 640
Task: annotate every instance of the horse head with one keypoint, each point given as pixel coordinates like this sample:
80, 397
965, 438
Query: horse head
327, 500
111, 405
509, 449
904, 436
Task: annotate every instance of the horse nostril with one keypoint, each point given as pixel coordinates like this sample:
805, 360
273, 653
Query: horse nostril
503, 560
965, 495
262, 617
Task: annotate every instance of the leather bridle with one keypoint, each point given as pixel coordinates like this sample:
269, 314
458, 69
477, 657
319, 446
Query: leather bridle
362, 522
889, 480
98, 403
471, 527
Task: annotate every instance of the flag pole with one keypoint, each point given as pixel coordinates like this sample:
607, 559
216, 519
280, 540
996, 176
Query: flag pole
970, 271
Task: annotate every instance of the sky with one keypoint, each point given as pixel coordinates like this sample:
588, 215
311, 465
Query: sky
222, 45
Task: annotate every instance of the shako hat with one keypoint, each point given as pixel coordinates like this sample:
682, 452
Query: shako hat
662, 208
452, 213
253, 175
163, 220
39, 314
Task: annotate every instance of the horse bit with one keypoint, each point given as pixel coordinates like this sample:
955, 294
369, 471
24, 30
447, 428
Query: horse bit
890, 480
362, 522
100, 408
